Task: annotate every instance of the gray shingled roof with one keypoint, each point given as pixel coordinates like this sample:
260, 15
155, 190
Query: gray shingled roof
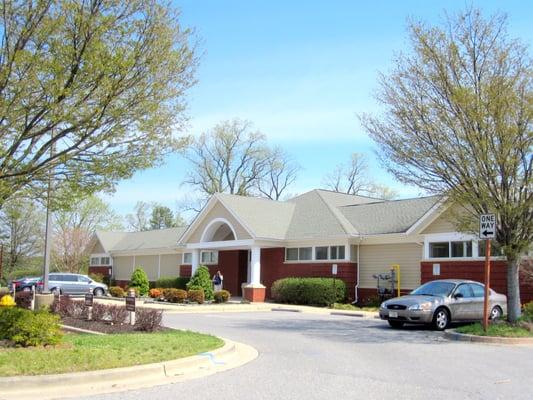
128, 241
394, 216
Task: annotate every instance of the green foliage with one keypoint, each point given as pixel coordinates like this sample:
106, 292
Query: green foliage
312, 291
168, 282
38, 328
174, 295
103, 82
8, 317
350, 307
97, 277
162, 217
196, 294
139, 280
527, 313
116, 291
501, 329
222, 296
202, 280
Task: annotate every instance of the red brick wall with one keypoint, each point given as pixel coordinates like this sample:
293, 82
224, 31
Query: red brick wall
185, 271
474, 270
366, 296
99, 270
273, 267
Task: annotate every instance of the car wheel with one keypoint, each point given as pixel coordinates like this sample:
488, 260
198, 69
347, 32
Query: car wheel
56, 291
441, 319
395, 324
496, 313
98, 292
26, 289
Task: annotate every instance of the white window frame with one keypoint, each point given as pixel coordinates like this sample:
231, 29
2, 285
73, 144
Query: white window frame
213, 258
99, 257
453, 237
313, 253
184, 261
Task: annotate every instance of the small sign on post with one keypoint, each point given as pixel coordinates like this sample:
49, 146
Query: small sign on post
487, 226
89, 299
130, 306
334, 269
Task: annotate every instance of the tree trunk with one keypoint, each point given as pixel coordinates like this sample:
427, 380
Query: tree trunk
513, 290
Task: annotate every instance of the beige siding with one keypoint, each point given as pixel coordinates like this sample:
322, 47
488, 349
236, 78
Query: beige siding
149, 264
445, 222
353, 253
170, 265
376, 259
218, 211
122, 267
98, 249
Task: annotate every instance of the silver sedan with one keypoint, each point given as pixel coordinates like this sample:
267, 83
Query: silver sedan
440, 302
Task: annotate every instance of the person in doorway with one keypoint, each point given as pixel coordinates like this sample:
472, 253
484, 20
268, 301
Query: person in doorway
217, 281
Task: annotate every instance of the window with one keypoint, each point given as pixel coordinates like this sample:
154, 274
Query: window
465, 290
70, 278
187, 258
104, 261
461, 249
479, 291
439, 250
305, 253
336, 253
83, 279
321, 253
95, 261
209, 257
291, 254
55, 277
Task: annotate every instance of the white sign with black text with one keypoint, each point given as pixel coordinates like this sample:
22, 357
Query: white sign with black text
487, 226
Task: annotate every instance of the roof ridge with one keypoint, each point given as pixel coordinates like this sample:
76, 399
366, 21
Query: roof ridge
390, 201
341, 219
347, 194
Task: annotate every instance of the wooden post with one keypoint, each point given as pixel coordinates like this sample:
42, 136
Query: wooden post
487, 286
1, 259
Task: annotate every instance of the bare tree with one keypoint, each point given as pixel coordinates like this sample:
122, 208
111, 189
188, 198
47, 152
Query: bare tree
349, 178
281, 172
380, 191
457, 122
230, 158
139, 220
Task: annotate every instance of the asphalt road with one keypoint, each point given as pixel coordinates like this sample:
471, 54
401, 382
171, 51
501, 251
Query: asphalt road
307, 356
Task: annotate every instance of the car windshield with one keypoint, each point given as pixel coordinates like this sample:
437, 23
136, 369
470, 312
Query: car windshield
434, 289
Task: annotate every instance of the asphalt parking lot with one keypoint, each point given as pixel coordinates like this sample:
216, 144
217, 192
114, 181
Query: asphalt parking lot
309, 356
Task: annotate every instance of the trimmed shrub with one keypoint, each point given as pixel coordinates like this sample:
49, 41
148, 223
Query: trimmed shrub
174, 295
116, 291
8, 317
222, 296
99, 312
168, 283
196, 295
148, 319
202, 280
23, 299
66, 307
139, 280
527, 313
36, 329
116, 314
312, 291
97, 277
181, 282
154, 293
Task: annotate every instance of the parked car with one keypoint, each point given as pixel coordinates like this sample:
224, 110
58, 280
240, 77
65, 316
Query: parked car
443, 301
64, 283
25, 284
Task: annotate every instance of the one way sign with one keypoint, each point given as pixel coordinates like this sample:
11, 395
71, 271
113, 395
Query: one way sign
487, 226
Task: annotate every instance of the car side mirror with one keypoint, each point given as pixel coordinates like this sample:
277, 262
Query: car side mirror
458, 296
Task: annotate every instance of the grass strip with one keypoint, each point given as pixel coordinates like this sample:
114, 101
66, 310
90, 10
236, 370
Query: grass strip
91, 352
496, 330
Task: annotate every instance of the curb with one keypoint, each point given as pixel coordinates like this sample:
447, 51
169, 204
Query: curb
80, 330
231, 355
463, 337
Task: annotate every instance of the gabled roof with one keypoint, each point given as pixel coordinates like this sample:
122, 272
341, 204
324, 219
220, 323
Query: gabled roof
129, 241
394, 216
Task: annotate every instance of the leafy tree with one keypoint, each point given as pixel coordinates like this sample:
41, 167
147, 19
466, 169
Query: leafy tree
22, 228
202, 280
138, 221
89, 91
139, 280
162, 217
457, 122
73, 229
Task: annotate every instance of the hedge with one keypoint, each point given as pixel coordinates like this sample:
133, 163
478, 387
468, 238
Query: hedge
29, 328
312, 291
171, 283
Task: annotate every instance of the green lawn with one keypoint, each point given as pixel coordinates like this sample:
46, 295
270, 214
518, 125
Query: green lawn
501, 330
349, 307
90, 352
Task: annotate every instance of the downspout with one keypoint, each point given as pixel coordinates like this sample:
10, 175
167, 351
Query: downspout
358, 268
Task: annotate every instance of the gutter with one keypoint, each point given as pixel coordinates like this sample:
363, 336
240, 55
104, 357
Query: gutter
356, 299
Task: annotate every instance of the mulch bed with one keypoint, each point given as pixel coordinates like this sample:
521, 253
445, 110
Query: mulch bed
98, 326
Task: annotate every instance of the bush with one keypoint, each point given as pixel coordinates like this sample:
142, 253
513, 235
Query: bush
222, 296
23, 299
134, 288
174, 295
97, 277
4, 291
154, 293
116, 314
148, 319
8, 317
139, 279
66, 307
99, 312
196, 295
36, 329
313, 291
527, 313
168, 283
116, 291
202, 280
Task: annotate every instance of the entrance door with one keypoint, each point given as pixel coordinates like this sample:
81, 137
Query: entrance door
243, 269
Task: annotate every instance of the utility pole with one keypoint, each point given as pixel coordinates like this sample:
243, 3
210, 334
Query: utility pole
1, 259
48, 235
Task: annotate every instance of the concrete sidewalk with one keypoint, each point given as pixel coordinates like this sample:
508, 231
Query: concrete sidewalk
230, 356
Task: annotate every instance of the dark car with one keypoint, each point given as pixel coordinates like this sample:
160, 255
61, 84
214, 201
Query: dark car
25, 284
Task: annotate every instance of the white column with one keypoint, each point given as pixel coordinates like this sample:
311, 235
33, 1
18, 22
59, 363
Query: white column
195, 260
255, 266
159, 266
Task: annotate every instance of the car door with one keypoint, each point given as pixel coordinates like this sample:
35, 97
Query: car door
55, 281
70, 284
461, 303
83, 284
478, 291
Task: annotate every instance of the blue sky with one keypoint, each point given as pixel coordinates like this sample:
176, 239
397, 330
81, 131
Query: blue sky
301, 71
